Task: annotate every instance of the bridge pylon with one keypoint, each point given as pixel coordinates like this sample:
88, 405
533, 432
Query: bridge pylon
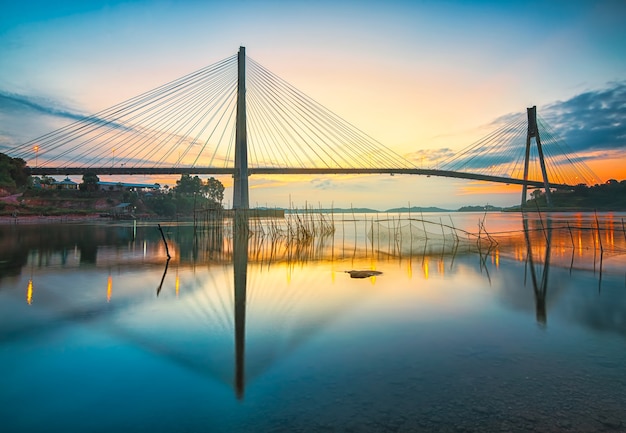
533, 131
241, 198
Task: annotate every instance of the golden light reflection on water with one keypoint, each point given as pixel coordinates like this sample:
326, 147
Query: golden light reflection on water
580, 244
29, 292
575, 240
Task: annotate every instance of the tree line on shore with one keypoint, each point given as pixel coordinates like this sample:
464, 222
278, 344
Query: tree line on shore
610, 195
190, 193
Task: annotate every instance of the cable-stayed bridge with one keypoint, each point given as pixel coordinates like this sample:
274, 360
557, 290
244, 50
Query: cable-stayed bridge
236, 117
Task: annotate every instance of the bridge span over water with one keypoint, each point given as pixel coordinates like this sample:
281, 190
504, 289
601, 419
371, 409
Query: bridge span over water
119, 171
237, 118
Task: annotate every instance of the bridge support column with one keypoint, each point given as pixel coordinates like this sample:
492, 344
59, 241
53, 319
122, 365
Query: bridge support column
240, 191
533, 131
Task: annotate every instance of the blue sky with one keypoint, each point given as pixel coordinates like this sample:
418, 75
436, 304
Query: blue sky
418, 76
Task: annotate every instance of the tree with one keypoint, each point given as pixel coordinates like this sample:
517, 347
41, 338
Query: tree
5, 172
13, 172
90, 182
188, 185
581, 190
191, 194
20, 172
214, 190
47, 180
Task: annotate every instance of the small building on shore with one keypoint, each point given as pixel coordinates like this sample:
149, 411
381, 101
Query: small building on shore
66, 183
125, 186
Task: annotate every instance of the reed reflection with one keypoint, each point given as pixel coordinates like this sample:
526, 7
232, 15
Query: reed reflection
167, 263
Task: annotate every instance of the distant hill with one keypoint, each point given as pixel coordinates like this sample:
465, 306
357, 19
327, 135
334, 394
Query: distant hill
412, 209
418, 209
487, 208
415, 209
335, 210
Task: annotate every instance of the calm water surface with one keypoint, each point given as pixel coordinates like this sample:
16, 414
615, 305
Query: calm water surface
477, 323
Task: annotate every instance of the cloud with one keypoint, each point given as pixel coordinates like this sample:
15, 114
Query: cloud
22, 118
427, 158
590, 125
323, 184
591, 121
14, 102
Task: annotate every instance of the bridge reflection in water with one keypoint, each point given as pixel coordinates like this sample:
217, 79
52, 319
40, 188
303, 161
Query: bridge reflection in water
262, 241
240, 275
539, 283
215, 304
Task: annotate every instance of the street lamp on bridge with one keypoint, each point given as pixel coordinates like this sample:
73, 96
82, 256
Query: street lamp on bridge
36, 154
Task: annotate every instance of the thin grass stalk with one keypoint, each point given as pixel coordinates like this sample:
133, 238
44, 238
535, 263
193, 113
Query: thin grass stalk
599, 234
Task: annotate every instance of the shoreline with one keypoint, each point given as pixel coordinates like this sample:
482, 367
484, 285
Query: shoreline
40, 219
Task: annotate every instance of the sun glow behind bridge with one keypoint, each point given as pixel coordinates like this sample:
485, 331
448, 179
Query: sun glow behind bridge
191, 122
502, 153
193, 125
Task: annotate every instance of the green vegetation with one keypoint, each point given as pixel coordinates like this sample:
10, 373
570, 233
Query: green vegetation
189, 194
47, 180
607, 196
90, 182
40, 197
13, 173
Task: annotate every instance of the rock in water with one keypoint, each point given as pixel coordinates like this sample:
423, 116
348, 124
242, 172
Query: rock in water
363, 274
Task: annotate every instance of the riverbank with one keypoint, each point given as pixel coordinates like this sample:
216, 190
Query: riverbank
48, 219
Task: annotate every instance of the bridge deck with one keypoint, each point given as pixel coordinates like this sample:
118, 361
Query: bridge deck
66, 171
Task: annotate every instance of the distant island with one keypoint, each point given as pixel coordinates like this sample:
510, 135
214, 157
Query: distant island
412, 209
417, 209
485, 208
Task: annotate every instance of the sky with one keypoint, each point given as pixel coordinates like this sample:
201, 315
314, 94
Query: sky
418, 76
